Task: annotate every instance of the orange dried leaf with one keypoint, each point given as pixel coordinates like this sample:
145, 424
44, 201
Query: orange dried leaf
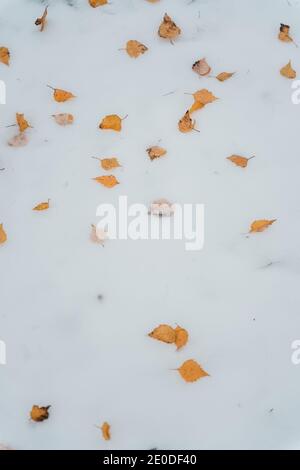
186, 124
196, 106
288, 71
61, 95
63, 119
168, 29
181, 337
3, 236
107, 181
201, 67
22, 123
39, 414
4, 55
42, 20
164, 333
239, 161
204, 97
156, 152
109, 163
261, 225
284, 33
19, 140
135, 48
97, 3
112, 122
222, 77
43, 206
191, 371
105, 428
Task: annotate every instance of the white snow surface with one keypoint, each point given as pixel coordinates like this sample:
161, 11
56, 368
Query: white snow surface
91, 359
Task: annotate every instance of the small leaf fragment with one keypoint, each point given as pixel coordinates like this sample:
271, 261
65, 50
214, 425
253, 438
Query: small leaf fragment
3, 236
42, 20
112, 122
222, 77
4, 55
181, 337
239, 161
22, 122
63, 119
43, 206
39, 414
107, 181
191, 371
156, 152
19, 140
135, 48
284, 33
109, 163
98, 235
201, 67
105, 428
164, 333
261, 225
97, 3
186, 124
288, 72
168, 29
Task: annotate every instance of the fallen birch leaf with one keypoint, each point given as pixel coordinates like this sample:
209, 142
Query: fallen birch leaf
204, 97
261, 225
42, 20
135, 48
22, 122
3, 236
19, 140
201, 67
105, 428
222, 77
61, 95
164, 333
284, 33
43, 206
239, 161
161, 207
4, 55
186, 124
191, 371
107, 181
168, 29
39, 414
97, 3
156, 152
109, 163
112, 122
63, 119
181, 337
288, 72
98, 235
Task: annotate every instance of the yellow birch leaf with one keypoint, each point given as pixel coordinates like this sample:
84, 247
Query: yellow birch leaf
22, 123
191, 371
288, 72
164, 333
39, 414
4, 55
284, 33
156, 152
109, 163
168, 29
105, 428
107, 181
186, 124
3, 236
112, 122
261, 225
222, 77
97, 3
135, 48
43, 206
42, 20
239, 161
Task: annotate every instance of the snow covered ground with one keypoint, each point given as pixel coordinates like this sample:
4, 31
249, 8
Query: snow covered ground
91, 359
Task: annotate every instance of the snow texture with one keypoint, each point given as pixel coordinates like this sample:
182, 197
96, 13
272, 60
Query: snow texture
89, 357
